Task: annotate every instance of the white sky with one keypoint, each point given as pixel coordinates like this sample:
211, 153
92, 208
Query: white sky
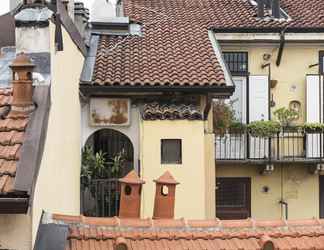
4, 5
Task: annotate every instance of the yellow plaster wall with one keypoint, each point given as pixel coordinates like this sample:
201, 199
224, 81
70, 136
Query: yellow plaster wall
191, 192
58, 185
15, 231
293, 183
292, 71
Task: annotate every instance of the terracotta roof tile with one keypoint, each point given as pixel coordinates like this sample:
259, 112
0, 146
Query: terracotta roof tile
12, 130
175, 50
192, 235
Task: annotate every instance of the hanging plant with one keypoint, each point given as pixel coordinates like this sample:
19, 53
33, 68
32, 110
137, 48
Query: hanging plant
264, 128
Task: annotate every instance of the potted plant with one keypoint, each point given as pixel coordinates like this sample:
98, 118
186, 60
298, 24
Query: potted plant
224, 118
286, 116
263, 129
313, 127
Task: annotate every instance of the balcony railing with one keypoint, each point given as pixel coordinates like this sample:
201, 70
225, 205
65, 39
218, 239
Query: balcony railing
100, 197
291, 144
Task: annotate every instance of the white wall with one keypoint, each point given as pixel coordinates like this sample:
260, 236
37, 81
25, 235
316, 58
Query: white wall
58, 185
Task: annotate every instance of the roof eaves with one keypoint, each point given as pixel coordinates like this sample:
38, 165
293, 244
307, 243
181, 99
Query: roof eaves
89, 89
218, 52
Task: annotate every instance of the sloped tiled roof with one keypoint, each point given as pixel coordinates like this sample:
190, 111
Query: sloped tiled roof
86, 233
175, 48
227, 14
12, 130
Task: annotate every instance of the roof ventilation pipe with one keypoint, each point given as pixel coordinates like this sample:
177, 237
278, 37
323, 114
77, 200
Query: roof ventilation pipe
261, 8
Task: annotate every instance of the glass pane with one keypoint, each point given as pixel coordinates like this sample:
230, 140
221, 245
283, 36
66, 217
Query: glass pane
171, 151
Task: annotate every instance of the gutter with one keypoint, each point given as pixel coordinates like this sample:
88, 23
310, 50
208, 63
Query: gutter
99, 90
268, 30
14, 205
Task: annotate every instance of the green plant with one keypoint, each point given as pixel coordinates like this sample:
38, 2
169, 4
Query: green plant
118, 163
263, 128
94, 165
237, 127
224, 117
313, 127
285, 116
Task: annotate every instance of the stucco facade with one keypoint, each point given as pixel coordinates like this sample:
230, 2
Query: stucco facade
191, 199
290, 182
62, 158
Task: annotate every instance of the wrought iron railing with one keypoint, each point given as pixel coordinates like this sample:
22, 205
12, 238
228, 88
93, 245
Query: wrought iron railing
100, 197
290, 144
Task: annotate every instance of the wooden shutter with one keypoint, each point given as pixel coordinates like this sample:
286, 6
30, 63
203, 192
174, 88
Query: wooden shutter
258, 110
314, 108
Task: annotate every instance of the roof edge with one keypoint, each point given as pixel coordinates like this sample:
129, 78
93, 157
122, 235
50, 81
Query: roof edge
89, 89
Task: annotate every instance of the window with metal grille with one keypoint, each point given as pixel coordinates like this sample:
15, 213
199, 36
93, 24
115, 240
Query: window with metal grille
237, 62
171, 151
233, 198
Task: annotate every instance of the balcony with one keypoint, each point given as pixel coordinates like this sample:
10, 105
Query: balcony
289, 145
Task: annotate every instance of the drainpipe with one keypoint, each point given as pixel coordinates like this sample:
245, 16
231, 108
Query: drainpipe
282, 45
285, 204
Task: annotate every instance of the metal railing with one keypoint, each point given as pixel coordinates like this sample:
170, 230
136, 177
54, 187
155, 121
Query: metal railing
100, 197
290, 144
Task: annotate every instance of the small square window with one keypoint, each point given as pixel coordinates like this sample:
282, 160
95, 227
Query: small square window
171, 151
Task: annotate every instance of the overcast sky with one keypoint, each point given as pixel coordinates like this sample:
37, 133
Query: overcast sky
4, 5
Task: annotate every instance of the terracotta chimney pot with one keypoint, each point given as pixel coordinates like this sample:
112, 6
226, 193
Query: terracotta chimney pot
164, 202
22, 83
130, 196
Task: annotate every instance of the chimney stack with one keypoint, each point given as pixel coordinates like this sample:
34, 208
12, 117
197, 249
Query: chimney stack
130, 197
260, 8
276, 8
22, 82
164, 197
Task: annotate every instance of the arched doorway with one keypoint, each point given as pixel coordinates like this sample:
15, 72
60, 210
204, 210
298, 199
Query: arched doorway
107, 156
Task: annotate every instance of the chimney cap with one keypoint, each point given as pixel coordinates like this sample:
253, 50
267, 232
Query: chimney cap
22, 60
131, 178
166, 178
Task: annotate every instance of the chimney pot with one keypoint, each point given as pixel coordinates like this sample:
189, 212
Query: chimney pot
164, 197
22, 82
130, 197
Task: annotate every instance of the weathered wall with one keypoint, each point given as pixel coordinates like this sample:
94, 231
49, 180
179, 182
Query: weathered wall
15, 232
293, 183
131, 131
190, 193
58, 184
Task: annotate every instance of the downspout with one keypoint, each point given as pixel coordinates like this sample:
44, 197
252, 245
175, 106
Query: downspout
282, 46
285, 204
207, 107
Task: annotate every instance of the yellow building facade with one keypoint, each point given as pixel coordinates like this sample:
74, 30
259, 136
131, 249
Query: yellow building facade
289, 180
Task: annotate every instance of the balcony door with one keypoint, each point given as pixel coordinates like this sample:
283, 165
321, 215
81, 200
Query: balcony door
233, 198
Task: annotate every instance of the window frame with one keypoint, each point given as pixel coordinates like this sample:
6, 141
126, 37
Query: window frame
230, 212
169, 162
320, 61
237, 73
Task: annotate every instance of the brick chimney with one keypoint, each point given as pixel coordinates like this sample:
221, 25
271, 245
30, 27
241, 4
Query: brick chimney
164, 196
130, 197
22, 82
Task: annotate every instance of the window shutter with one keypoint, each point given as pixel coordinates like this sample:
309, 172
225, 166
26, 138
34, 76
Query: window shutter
314, 100
258, 98
258, 110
